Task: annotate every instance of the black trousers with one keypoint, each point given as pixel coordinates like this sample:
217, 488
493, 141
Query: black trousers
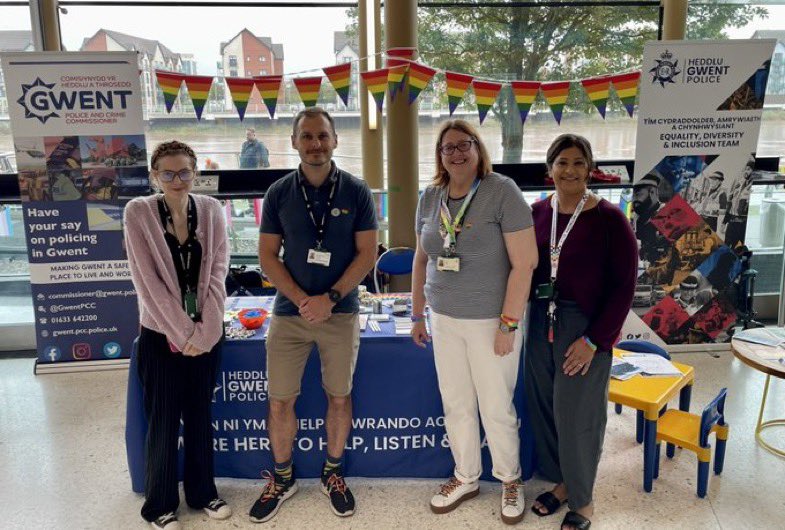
175, 387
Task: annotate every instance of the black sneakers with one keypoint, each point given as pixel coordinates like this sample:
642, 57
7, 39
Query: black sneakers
334, 486
167, 521
275, 492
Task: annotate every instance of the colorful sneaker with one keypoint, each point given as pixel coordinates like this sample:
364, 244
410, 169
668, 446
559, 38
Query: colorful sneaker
513, 502
275, 492
452, 493
167, 521
341, 498
218, 509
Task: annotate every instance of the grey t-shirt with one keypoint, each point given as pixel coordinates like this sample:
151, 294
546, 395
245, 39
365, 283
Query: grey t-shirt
478, 289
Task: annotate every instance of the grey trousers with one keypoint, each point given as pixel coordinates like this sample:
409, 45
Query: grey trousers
567, 414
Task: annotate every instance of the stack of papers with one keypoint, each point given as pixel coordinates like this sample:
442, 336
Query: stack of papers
363, 322
652, 364
403, 325
766, 336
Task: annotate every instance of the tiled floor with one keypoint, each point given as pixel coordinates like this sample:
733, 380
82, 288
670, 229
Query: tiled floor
62, 465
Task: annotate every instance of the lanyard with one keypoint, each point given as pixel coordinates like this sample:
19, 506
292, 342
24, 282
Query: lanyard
322, 224
556, 248
185, 251
451, 227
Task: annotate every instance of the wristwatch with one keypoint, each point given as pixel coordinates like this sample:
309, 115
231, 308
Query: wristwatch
506, 328
334, 296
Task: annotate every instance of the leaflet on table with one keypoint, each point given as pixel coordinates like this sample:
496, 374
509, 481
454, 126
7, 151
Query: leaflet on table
623, 370
766, 336
652, 365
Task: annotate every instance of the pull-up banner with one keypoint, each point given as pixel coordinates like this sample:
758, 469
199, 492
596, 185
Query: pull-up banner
80, 149
698, 123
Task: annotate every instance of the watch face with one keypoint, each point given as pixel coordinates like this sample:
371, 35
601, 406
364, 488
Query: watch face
334, 296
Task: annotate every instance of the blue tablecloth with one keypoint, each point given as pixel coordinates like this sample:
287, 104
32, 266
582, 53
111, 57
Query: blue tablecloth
398, 418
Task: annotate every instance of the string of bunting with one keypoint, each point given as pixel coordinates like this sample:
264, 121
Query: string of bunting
401, 70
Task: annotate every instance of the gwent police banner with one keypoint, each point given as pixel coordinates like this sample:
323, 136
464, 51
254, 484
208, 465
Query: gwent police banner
80, 149
698, 123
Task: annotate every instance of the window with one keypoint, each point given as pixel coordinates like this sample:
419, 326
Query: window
263, 72
262, 58
233, 61
247, 58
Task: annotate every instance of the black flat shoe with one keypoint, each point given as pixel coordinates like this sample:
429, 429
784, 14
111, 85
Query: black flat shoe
576, 520
550, 502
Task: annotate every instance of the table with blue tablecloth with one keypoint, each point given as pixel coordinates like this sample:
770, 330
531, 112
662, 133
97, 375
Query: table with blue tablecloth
398, 419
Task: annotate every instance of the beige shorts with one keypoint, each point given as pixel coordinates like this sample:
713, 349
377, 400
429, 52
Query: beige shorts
289, 344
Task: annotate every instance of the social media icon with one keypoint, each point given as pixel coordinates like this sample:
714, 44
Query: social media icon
41, 309
80, 351
112, 350
52, 353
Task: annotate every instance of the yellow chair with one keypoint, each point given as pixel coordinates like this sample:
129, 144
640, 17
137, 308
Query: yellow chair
691, 432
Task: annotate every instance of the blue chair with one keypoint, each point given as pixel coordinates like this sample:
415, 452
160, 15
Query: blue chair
690, 431
641, 346
394, 261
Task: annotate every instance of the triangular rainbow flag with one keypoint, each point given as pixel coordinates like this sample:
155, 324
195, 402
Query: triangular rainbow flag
308, 87
170, 85
240, 90
399, 57
556, 96
269, 86
485, 93
340, 77
198, 88
419, 77
376, 81
525, 93
626, 86
396, 76
457, 84
597, 89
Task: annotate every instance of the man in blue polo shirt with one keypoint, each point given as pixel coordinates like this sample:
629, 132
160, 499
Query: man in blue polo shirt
325, 220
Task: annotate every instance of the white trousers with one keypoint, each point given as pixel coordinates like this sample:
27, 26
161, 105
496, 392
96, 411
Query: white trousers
472, 379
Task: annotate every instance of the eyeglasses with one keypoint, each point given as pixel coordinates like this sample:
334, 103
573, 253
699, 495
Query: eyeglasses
185, 175
463, 146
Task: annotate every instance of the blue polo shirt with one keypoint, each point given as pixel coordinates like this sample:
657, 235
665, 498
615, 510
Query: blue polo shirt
284, 213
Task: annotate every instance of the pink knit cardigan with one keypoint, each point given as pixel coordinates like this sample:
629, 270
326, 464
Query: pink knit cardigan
155, 278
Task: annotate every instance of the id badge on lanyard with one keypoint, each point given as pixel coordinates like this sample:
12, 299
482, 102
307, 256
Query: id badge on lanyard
450, 228
190, 305
549, 290
318, 255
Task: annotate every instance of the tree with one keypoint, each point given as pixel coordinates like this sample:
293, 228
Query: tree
549, 43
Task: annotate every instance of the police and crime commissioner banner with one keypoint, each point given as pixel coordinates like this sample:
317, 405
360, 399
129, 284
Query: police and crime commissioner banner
79, 139
698, 124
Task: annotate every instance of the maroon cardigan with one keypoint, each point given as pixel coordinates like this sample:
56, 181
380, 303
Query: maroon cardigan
155, 279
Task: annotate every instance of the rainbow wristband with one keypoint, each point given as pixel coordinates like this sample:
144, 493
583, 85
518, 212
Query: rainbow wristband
418, 318
589, 343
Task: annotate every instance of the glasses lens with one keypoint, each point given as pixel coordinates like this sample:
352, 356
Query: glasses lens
447, 149
186, 175
464, 146
166, 176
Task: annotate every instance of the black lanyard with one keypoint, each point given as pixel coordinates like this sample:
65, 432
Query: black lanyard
186, 249
321, 225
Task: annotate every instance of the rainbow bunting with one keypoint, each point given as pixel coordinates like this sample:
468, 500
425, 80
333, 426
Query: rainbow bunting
170, 85
525, 93
396, 76
626, 86
308, 87
597, 90
556, 96
340, 76
399, 57
376, 81
419, 77
485, 93
457, 84
269, 86
198, 88
240, 90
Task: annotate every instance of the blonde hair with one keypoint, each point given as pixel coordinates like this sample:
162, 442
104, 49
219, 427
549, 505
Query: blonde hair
484, 167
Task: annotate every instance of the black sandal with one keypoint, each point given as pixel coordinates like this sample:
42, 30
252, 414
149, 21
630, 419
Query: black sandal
576, 520
550, 502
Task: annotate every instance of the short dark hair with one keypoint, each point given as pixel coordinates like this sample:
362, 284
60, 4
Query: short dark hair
311, 112
172, 148
565, 141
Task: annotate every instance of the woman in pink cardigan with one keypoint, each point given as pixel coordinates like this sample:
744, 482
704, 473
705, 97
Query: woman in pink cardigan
177, 251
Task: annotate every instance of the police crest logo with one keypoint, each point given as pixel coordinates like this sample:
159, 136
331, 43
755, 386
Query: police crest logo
664, 70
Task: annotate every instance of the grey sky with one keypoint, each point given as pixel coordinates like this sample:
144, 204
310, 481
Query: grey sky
306, 33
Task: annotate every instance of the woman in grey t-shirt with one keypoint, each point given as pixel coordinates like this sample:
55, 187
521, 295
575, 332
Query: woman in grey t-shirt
475, 255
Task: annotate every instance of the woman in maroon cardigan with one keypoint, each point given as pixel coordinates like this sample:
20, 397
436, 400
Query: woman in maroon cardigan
177, 252
582, 291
